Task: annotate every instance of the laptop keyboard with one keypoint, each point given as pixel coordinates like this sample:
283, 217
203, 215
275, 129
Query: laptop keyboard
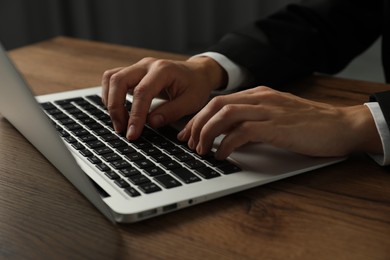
152, 163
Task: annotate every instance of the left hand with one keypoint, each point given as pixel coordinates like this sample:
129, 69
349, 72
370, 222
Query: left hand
283, 120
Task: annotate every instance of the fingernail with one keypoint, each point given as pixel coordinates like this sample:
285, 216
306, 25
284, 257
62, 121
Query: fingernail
199, 149
130, 132
191, 144
157, 121
117, 127
181, 135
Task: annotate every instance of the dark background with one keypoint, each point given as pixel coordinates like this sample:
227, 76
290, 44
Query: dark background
182, 26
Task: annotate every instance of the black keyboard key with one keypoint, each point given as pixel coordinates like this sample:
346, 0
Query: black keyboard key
120, 164
122, 183
169, 132
141, 143
167, 181
88, 120
82, 102
93, 126
80, 132
86, 153
126, 150
169, 165
138, 179
96, 99
103, 167
73, 110
173, 150
47, 105
78, 146
229, 168
87, 138
103, 117
163, 143
117, 143
160, 157
110, 157
94, 160
54, 111
143, 164
182, 157
79, 116
110, 138
150, 151
129, 171
149, 187
93, 144
132, 192
133, 157
185, 175
101, 131
194, 164
154, 171
67, 121
62, 133
147, 132
70, 139
102, 150
210, 159
60, 116
207, 172
73, 126
67, 101
112, 175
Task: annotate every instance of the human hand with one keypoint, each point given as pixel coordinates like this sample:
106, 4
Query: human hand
187, 84
281, 119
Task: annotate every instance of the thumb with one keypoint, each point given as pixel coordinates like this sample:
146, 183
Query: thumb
172, 111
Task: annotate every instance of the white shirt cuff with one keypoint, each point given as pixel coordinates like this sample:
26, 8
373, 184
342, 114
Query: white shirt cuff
384, 133
237, 75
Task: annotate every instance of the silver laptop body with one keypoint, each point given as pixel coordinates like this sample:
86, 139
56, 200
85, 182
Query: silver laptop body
259, 163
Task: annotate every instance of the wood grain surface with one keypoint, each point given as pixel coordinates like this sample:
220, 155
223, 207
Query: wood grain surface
338, 212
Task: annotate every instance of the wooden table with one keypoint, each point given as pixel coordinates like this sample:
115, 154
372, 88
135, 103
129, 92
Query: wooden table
338, 212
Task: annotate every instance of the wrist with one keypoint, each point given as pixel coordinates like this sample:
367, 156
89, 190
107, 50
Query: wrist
363, 125
215, 75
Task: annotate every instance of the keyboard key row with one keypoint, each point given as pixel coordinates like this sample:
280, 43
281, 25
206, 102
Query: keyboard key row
160, 158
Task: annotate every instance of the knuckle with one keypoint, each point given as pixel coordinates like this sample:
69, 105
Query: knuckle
217, 102
106, 74
266, 92
162, 65
196, 128
147, 60
141, 92
115, 79
112, 108
228, 110
246, 128
262, 88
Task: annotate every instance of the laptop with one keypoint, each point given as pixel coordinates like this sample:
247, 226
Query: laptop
133, 181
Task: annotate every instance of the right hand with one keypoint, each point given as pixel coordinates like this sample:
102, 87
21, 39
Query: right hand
187, 84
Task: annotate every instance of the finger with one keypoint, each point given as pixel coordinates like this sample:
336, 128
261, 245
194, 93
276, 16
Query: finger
244, 97
147, 89
106, 83
225, 121
119, 84
175, 109
245, 132
185, 133
203, 116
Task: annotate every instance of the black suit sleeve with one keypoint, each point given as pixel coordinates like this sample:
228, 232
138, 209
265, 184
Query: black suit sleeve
313, 36
383, 98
